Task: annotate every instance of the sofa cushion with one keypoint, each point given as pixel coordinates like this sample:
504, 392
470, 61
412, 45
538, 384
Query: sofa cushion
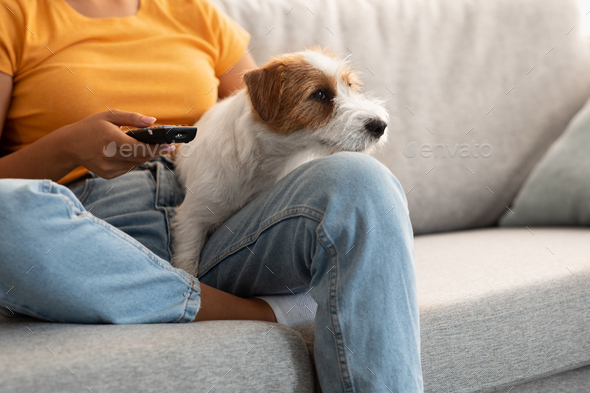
574, 381
507, 74
501, 307
558, 190
206, 356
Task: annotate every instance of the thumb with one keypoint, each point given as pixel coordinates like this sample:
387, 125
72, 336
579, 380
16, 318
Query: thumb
122, 118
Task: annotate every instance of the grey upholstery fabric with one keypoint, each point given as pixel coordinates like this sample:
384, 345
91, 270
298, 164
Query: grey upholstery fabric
506, 73
231, 356
501, 307
558, 190
575, 381
306, 330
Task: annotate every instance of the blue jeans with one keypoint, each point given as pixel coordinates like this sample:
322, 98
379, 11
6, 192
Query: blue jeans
337, 227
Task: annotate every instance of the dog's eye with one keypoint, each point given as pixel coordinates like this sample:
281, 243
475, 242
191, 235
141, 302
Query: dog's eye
319, 95
350, 85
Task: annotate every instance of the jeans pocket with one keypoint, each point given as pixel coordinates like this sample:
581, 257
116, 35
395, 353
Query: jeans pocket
82, 188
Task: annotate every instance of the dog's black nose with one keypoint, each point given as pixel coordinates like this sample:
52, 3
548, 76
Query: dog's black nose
376, 127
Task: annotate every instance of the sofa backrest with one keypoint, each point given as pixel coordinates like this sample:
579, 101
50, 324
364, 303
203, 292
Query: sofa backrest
486, 86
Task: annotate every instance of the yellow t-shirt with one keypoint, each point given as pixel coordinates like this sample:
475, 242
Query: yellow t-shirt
163, 62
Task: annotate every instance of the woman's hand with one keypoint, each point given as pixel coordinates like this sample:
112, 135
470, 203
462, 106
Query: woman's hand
98, 143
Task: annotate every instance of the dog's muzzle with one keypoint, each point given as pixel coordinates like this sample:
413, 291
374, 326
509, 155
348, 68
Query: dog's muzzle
376, 127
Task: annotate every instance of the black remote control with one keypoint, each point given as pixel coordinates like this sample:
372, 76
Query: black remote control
164, 134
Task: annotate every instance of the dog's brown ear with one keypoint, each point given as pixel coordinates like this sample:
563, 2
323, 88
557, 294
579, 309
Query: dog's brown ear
264, 88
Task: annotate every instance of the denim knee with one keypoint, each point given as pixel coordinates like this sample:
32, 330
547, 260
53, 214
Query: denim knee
372, 212
357, 175
29, 194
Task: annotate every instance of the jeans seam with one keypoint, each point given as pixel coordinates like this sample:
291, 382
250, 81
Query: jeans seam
167, 205
188, 299
158, 181
333, 307
69, 203
167, 218
88, 187
290, 212
45, 186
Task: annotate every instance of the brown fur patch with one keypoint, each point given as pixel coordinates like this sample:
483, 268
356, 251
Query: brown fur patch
264, 89
290, 107
350, 76
352, 79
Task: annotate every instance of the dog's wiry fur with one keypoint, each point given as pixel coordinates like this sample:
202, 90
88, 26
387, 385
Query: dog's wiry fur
249, 141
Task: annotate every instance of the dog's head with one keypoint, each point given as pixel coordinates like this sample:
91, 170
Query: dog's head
316, 92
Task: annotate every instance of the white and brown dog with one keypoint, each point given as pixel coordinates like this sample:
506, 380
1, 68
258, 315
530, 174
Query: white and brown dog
296, 108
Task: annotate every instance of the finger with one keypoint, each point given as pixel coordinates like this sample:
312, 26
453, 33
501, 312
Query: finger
176, 152
122, 118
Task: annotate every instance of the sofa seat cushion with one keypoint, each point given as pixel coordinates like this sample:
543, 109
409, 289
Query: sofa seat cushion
231, 356
500, 307
574, 381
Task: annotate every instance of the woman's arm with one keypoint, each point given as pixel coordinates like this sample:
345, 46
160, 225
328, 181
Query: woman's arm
82, 143
5, 94
30, 162
232, 80
219, 305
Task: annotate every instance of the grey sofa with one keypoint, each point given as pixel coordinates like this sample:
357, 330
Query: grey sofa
477, 91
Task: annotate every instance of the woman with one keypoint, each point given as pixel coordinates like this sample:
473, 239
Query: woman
92, 245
